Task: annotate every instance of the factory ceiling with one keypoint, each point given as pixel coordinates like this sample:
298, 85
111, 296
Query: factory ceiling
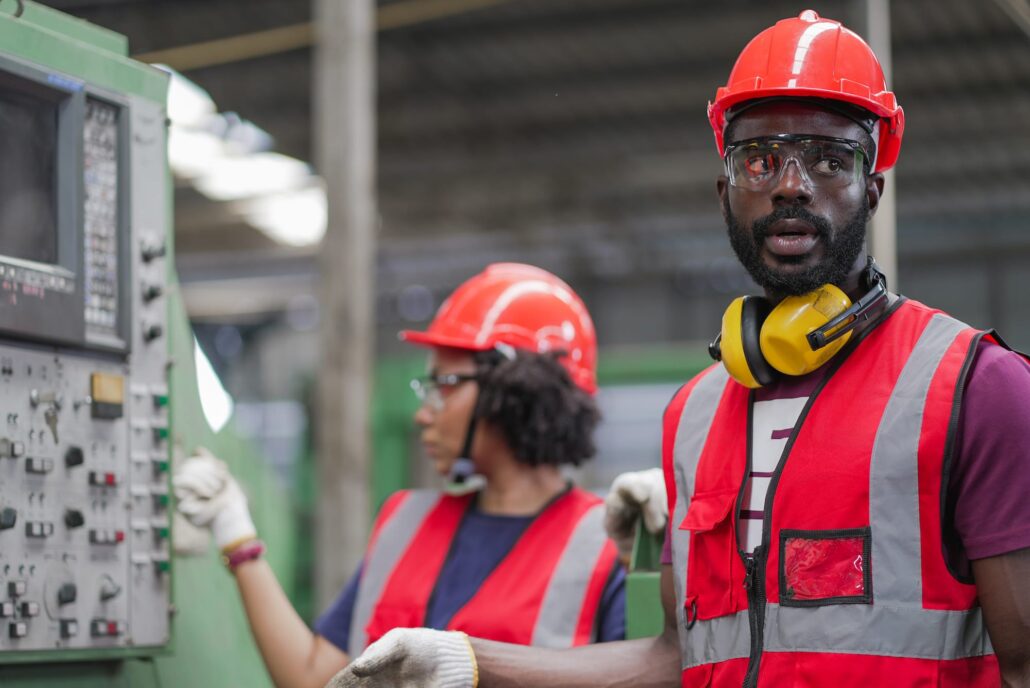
571, 133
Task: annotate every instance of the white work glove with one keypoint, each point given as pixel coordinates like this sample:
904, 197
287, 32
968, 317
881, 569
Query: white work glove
632, 495
209, 497
413, 658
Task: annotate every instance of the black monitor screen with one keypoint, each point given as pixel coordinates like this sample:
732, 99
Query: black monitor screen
28, 174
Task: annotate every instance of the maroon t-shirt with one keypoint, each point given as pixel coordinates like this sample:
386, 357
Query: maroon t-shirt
989, 486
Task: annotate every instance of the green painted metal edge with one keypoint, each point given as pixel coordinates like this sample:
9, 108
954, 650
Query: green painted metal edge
46, 46
68, 26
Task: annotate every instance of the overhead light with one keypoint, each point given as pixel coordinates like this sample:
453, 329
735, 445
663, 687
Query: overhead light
233, 178
215, 402
294, 218
193, 153
188, 104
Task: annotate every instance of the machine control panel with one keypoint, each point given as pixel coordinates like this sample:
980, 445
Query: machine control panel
84, 414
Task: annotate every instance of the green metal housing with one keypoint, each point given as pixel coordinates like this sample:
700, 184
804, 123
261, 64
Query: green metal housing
211, 643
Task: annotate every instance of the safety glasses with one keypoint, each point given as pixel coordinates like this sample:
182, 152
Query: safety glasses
433, 390
824, 162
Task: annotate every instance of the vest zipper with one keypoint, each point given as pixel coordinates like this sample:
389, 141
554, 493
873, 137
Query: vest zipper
754, 581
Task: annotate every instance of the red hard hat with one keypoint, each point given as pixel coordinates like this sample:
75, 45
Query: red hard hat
811, 57
520, 306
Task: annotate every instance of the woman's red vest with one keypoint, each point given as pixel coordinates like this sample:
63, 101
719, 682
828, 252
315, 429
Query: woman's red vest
546, 591
850, 586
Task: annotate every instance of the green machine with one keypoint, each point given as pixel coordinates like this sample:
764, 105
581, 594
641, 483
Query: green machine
99, 384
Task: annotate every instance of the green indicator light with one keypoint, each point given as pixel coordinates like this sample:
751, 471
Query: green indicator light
160, 400
161, 465
161, 531
161, 499
163, 566
161, 432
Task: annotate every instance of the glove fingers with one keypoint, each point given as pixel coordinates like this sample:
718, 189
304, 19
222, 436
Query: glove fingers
375, 659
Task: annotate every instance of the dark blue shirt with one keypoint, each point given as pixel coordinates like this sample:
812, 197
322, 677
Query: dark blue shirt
480, 544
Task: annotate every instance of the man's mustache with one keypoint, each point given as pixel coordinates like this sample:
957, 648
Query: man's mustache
760, 227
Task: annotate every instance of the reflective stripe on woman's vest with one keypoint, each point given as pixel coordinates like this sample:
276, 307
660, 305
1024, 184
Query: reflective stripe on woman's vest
545, 592
863, 483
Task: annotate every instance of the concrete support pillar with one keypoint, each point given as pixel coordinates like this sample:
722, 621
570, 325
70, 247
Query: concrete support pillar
344, 151
873, 22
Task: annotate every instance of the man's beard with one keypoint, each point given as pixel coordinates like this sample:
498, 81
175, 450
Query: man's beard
841, 249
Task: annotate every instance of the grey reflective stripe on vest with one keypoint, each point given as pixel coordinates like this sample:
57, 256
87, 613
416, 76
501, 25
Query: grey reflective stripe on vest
556, 625
896, 623
691, 435
390, 546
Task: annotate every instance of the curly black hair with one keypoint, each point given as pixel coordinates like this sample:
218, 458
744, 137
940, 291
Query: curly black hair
542, 414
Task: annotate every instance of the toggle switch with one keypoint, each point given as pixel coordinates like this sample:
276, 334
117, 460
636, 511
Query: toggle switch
103, 478
6, 610
39, 529
108, 588
16, 588
151, 292
152, 332
18, 629
38, 466
11, 449
30, 609
106, 628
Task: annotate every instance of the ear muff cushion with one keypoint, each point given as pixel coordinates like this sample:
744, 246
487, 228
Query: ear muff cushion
754, 310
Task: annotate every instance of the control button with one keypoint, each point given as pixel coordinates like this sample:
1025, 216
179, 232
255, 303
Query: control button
153, 249
29, 608
8, 517
106, 628
39, 529
162, 564
160, 432
74, 457
73, 518
69, 628
11, 449
160, 399
107, 395
67, 593
161, 530
39, 466
106, 536
152, 332
18, 629
103, 478
6, 610
151, 292
160, 495
160, 463
16, 588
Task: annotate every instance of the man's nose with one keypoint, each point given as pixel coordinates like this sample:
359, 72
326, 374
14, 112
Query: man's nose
792, 186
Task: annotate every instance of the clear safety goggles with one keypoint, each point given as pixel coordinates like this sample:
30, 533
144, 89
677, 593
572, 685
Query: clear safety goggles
433, 390
824, 162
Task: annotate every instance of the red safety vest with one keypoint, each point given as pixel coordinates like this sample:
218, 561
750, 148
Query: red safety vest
850, 586
545, 592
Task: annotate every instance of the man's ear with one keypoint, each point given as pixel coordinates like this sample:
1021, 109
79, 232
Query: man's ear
873, 191
722, 187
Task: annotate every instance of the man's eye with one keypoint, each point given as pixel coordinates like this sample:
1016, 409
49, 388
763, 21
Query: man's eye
828, 166
758, 165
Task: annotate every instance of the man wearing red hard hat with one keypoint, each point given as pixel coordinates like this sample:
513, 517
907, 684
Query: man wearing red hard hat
847, 487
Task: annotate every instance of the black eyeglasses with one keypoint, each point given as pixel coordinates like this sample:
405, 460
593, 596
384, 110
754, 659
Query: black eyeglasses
431, 389
823, 161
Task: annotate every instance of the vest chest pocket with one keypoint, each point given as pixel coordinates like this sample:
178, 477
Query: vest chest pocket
821, 567
713, 555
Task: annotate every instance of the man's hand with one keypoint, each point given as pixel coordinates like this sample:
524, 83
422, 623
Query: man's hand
209, 497
632, 495
413, 658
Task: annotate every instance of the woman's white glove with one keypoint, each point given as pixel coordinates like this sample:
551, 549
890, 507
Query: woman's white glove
209, 497
413, 658
632, 495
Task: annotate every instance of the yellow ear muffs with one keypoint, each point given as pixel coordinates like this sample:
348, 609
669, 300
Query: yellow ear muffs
783, 338
739, 345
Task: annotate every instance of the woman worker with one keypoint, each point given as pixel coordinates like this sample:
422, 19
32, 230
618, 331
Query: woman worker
523, 559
